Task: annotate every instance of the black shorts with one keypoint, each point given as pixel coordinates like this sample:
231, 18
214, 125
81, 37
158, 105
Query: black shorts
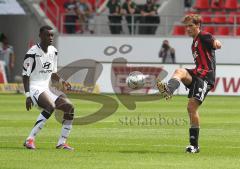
199, 87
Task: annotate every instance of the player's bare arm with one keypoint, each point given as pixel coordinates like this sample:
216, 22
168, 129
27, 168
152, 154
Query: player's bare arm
29, 102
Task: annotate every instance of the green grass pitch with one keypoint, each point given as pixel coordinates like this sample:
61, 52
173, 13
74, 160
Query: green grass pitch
125, 140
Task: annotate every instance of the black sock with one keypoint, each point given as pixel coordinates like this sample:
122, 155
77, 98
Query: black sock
193, 136
173, 84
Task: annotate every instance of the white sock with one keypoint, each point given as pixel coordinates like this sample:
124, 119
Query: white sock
66, 128
37, 127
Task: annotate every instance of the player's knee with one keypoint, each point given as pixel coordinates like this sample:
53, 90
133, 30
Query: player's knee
191, 109
180, 71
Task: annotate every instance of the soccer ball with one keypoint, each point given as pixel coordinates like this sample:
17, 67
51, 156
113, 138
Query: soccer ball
135, 80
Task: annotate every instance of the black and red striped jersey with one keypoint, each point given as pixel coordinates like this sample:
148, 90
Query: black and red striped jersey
204, 57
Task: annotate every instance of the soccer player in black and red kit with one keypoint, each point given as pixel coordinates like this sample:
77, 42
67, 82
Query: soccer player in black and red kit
199, 80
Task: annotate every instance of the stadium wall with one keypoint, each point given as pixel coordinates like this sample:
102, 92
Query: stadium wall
142, 52
227, 79
137, 49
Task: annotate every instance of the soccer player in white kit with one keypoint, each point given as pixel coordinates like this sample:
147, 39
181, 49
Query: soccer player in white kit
39, 69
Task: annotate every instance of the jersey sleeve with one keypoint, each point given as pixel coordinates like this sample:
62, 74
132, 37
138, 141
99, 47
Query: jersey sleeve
28, 63
208, 40
55, 61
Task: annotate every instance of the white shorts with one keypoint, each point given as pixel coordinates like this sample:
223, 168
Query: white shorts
52, 93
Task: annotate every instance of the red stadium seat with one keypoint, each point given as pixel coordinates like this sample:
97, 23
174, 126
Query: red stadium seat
238, 31
217, 4
178, 30
233, 16
220, 18
223, 30
206, 17
201, 4
209, 29
231, 4
238, 17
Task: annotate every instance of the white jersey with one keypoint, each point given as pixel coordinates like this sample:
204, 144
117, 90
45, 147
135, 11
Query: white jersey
39, 65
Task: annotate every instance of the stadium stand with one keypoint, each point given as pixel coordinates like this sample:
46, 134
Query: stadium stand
238, 31
210, 29
234, 17
201, 5
56, 10
215, 13
231, 5
217, 4
206, 17
178, 30
223, 30
219, 17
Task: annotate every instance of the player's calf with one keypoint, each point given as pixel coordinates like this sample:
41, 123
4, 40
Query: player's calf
41, 120
66, 129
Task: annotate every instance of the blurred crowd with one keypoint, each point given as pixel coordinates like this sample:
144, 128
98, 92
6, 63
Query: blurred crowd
81, 11
140, 19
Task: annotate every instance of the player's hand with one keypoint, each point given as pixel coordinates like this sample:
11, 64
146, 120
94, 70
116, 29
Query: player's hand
217, 44
66, 85
29, 103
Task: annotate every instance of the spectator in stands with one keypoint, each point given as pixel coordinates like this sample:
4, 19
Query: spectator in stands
86, 16
218, 4
71, 17
129, 8
115, 17
149, 15
188, 5
7, 56
167, 53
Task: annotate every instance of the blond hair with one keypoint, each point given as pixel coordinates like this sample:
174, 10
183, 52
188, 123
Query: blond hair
192, 18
